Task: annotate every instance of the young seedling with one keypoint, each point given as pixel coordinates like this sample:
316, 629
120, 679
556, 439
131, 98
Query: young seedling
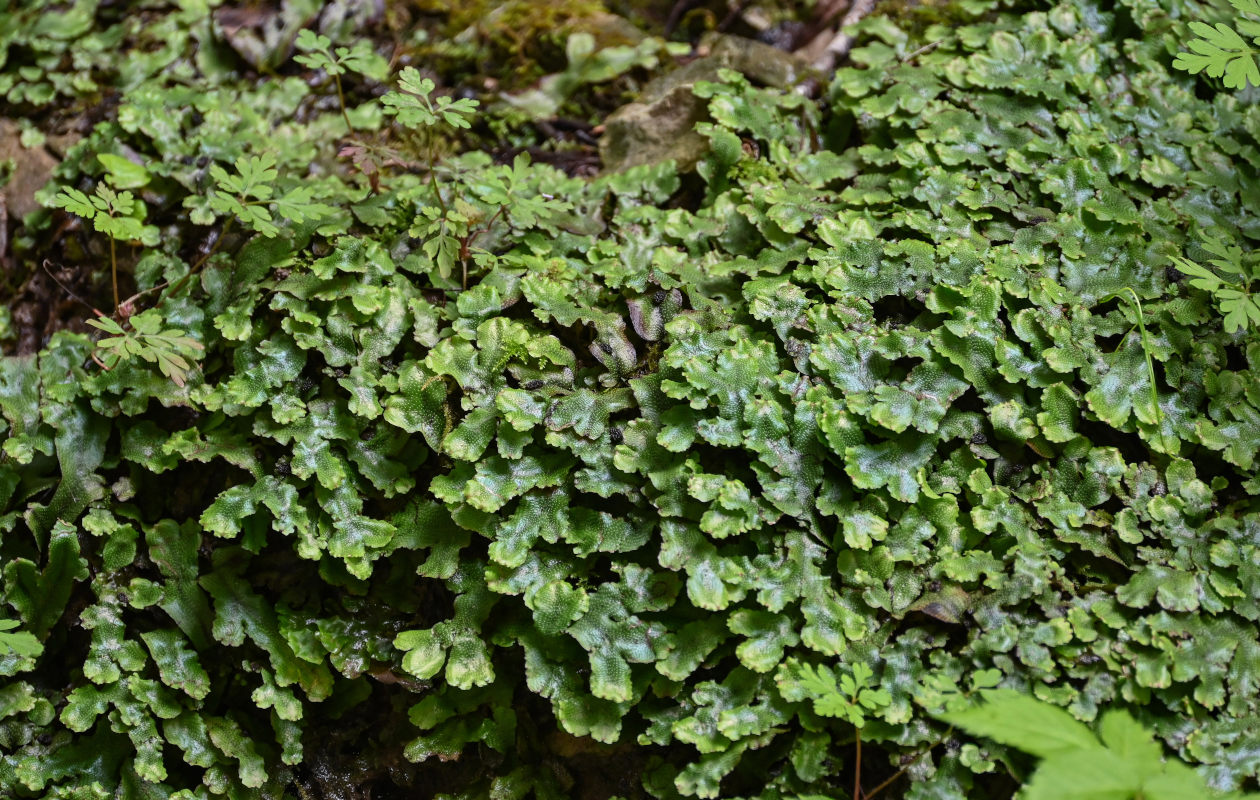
412, 106
112, 213
168, 348
1235, 294
850, 698
1224, 51
250, 195
320, 54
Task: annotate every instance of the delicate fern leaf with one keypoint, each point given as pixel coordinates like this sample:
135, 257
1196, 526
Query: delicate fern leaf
308, 41
319, 61
409, 80
177, 341
820, 682
318, 50
1229, 258
253, 179
1253, 311
258, 173
147, 322
172, 366
113, 343
226, 182
862, 674
296, 205
1246, 6
76, 203
1022, 722
456, 112
256, 217
361, 59
874, 699
125, 228
1234, 305
1201, 277
107, 324
1222, 53
410, 104
444, 250
227, 204
121, 203
413, 108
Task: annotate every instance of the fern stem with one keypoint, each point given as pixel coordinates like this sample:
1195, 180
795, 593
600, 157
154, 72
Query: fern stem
857, 769
341, 98
1150, 366
113, 271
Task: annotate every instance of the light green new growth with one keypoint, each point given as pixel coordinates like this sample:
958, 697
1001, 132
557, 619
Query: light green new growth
1225, 51
849, 697
320, 54
170, 349
1234, 289
116, 214
251, 194
1121, 762
412, 106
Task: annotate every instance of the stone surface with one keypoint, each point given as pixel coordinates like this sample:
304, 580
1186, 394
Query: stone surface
31, 170
660, 125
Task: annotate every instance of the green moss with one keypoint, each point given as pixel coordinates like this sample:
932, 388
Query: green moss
516, 41
712, 469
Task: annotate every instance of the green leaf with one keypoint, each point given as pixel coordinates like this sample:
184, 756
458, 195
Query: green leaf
123, 173
240, 613
22, 643
1017, 720
76, 202
40, 595
1221, 53
177, 665
420, 405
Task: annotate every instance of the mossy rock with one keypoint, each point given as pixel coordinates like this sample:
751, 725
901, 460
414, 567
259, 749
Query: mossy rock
660, 125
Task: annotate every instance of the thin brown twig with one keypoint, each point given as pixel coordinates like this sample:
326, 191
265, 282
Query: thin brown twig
473, 237
68, 290
730, 18
857, 770
908, 765
925, 48
201, 262
467, 243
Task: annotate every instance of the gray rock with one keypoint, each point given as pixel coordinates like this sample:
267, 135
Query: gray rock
660, 125
31, 170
